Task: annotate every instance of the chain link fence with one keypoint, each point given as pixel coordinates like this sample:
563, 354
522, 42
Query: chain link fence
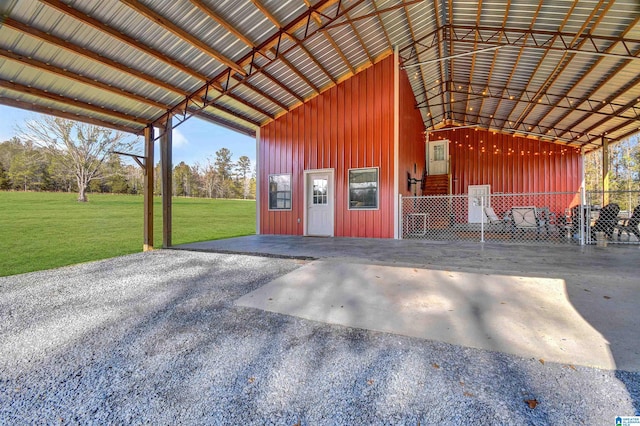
535, 218
613, 216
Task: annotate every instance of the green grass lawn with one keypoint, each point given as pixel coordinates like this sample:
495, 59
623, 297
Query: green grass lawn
46, 230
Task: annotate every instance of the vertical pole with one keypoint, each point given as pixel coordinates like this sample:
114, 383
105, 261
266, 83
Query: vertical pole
401, 216
166, 167
148, 188
583, 199
605, 171
396, 141
258, 181
482, 219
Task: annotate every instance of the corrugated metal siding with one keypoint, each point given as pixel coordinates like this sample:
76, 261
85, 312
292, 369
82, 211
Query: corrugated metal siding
510, 164
348, 126
412, 139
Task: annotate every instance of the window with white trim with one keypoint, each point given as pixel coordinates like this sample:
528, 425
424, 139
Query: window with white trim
363, 188
280, 192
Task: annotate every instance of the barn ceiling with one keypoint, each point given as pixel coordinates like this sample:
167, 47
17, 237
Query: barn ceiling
556, 69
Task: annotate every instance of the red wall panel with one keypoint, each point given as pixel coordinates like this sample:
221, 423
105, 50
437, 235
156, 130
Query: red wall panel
411, 146
347, 126
510, 164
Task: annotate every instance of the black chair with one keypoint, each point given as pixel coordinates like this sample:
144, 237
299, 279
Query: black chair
630, 226
607, 221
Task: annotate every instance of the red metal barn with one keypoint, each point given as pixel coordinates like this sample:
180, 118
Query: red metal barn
336, 165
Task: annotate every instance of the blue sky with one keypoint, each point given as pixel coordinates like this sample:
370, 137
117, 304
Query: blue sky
193, 141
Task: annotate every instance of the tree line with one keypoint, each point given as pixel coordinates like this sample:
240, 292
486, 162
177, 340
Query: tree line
53, 154
624, 166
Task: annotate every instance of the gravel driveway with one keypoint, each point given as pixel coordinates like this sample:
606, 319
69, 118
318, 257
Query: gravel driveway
155, 338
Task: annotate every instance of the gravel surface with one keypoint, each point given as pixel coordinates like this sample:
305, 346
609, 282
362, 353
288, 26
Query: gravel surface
155, 338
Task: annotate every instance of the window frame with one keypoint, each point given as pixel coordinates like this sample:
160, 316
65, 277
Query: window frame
377, 206
277, 209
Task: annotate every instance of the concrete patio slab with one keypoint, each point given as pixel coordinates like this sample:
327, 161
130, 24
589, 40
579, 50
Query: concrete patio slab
525, 316
600, 283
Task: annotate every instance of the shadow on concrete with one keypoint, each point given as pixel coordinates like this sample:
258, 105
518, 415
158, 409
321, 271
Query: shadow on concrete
170, 346
600, 282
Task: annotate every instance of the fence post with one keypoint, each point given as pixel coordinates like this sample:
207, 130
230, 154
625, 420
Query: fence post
482, 219
401, 230
583, 213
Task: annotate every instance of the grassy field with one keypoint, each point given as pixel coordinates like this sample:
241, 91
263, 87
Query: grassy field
46, 230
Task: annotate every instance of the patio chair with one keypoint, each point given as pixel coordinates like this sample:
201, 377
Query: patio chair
630, 226
526, 218
607, 221
546, 218
494, 220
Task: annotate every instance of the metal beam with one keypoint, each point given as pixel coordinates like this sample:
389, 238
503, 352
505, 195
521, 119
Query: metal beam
39, 93
49, 38
563, 63
68, 115
604, 81
558, 41
222, 21
50, 68
136, 44
558, 101
198, 94
148, 188
184, 35
166, 170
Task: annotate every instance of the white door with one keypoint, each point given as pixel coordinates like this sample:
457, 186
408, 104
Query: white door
438, 153
476, 193
319, 200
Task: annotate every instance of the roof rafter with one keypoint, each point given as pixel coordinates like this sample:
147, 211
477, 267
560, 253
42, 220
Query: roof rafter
440, 47
68, 115
384, 30
92, 22
411, 31
249, 56
312, 57
538, 39
491, 124
221, 21
278, 83
49, 38
566, 57
303, 77
299, 43
473, 58
495, 53
621, 110
184, 35
57, 4
47, 67
21, 88
571, 104
449, 70
266, 13
592, 68
520, 53
350, 21
357, 34
317, 17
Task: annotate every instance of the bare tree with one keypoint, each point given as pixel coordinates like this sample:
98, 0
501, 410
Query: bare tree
80, 148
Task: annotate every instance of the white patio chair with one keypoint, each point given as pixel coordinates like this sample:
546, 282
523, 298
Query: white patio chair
526, 218
493, 218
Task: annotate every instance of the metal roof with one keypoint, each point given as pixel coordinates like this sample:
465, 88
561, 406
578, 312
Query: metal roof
567, 71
